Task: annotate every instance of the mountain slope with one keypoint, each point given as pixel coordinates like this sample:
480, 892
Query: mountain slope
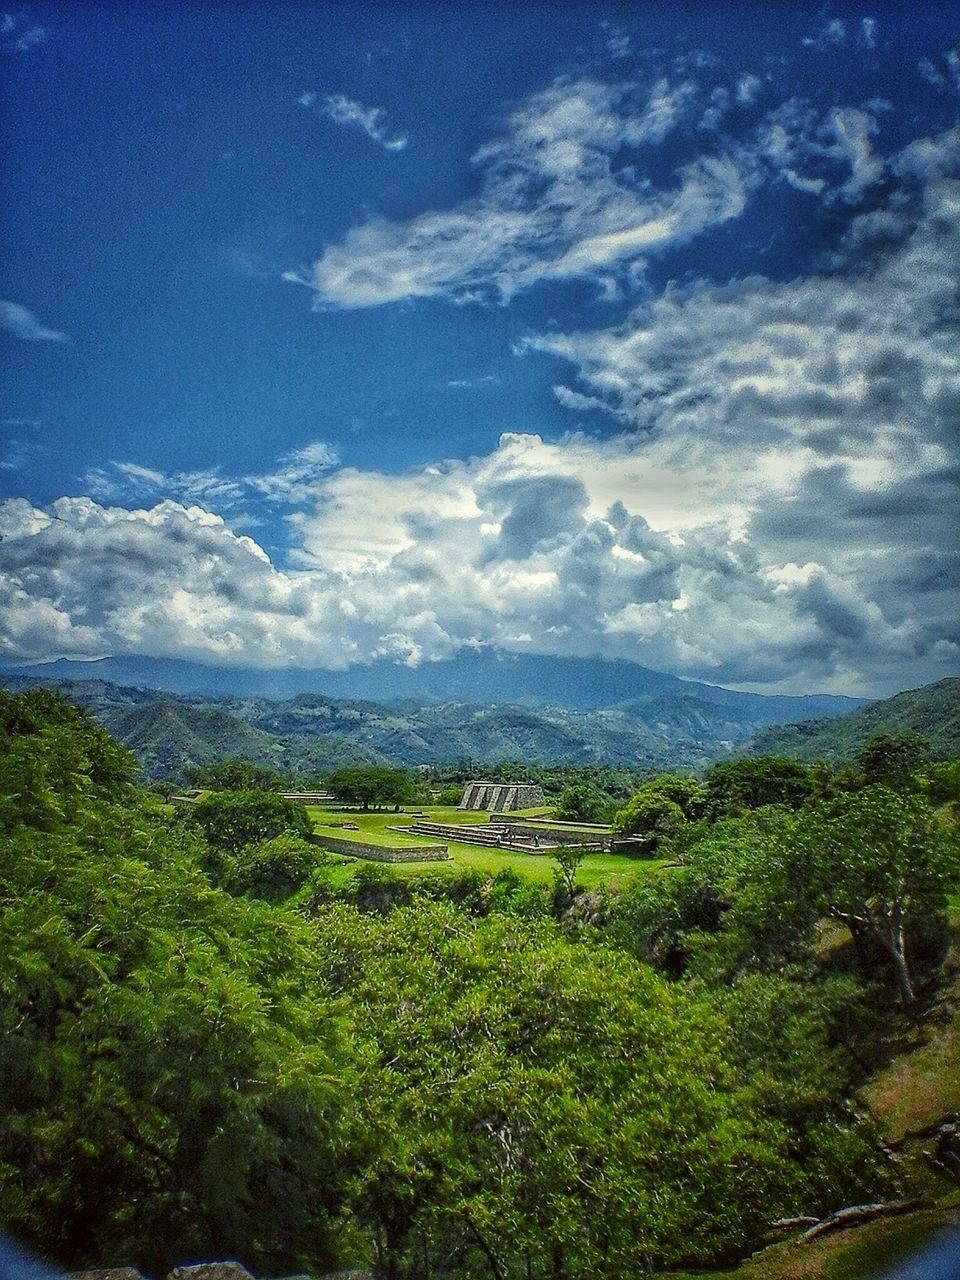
933, 711
481, 677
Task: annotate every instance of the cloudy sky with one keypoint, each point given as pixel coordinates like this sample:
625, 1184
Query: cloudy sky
333, 332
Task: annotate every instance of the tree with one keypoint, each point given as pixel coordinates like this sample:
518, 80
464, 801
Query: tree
532, 1107
582, 802
235, 775
275, 868
736, 786
884, 865
568, 859
231, 819
367, 785
167, 1053
891, 759
649, 814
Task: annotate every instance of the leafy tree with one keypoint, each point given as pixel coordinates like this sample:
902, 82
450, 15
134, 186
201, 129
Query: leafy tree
737, 786
236, 775
582, 803
770, 902
166, 1052
892, 759
568, 859
883, 865
683, 790
276, 868
367, 785
231, 819
650, 814
534, 1107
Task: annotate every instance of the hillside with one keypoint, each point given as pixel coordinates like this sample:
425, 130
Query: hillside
479, 677
933, 711
312, 733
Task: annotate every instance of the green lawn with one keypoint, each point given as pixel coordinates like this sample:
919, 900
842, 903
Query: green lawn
597, 868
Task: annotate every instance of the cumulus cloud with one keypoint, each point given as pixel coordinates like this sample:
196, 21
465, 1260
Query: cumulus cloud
372, 121
770, 507
23, 324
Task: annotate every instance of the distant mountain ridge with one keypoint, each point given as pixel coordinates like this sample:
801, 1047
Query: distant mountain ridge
314, 733
480, 677
933, 711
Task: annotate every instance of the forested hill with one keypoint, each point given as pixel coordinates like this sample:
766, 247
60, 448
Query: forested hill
932, 711
312, 733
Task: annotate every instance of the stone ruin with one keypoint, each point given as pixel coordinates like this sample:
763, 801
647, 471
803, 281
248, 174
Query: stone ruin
501, 797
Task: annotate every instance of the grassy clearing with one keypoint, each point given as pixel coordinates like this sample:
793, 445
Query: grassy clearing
607, 868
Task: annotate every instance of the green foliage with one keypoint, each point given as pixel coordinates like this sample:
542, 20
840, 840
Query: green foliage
940, 781
366, 786
737, 786
184, 1073
276, 868
52, 757
235, 775
567, 859
884, 865
891, 759
231, 819
164, 1085
529, 1103
649, 814
582, 803
652, 917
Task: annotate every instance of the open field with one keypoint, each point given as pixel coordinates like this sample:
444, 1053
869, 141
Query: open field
608, 868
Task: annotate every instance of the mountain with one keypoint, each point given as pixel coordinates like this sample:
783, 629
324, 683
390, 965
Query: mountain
481, 676
312, 734
933, 711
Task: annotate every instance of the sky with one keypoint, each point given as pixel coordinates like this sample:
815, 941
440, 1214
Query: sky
340, 332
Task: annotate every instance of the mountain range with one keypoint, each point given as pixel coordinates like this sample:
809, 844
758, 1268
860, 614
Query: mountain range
480, 676
480, 707
663, 722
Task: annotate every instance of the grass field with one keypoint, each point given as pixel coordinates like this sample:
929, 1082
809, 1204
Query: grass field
597, 868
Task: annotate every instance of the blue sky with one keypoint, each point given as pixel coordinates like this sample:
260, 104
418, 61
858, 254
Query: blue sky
338, 332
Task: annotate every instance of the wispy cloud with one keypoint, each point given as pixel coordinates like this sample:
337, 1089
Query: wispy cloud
564, 196
487, 380
832, 33
23, 324
372, 121
294, 480
19, 34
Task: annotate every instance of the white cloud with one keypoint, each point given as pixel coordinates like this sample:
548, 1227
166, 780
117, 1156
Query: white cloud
17, 33
831, 34
867, 35
563, 196
852, 130
294, 480
23, 324
372, 121
772, 508
748, 89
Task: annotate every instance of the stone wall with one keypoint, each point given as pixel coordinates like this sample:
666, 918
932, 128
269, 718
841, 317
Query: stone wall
501, 797
382, 853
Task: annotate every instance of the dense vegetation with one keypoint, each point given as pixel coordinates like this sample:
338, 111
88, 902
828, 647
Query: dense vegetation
932, 711
209, 1050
